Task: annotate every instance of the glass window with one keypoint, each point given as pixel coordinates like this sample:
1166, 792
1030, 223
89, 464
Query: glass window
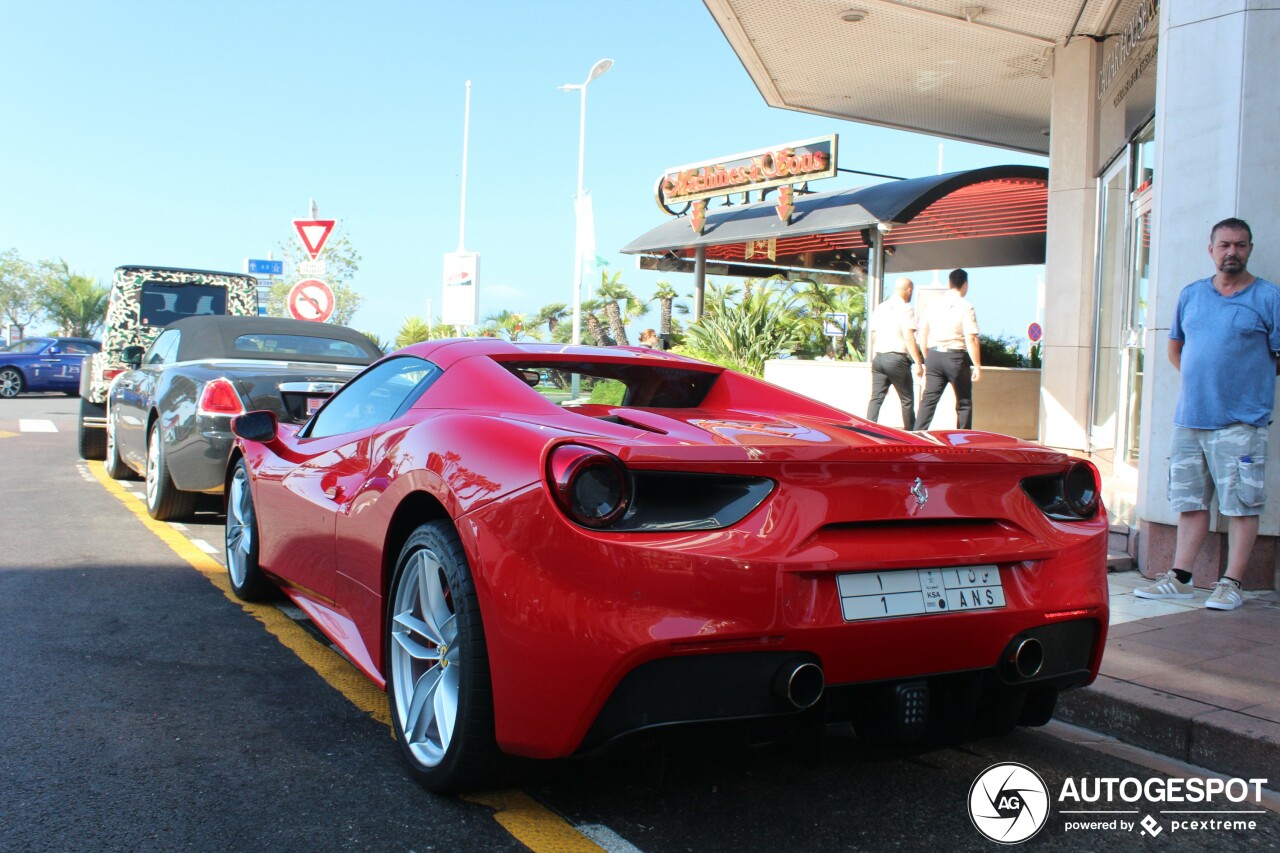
160, 304
79, 347
374, 397
1144, 156
311, 347
163, 348
648, 385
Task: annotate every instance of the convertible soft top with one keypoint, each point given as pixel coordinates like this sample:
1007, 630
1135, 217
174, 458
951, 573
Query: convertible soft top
212, 336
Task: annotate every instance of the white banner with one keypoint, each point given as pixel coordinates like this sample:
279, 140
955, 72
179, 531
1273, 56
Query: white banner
461, 291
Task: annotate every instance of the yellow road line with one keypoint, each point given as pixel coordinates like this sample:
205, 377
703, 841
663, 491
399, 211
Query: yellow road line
531, 823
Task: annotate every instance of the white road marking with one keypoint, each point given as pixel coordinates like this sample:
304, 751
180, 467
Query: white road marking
203, 545
607, 838
35, 425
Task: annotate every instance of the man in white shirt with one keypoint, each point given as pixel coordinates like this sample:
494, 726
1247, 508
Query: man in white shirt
953, 357
893, 340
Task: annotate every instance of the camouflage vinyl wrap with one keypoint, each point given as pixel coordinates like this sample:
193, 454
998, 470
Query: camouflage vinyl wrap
124, 328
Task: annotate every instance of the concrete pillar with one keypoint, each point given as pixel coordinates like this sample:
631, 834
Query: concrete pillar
1067, 372
1216, 124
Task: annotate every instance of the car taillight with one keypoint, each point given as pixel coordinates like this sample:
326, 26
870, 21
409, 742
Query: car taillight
219, 397
591, 486
1070, 495
112, 372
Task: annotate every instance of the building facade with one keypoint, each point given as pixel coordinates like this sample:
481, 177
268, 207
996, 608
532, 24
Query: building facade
1156, 116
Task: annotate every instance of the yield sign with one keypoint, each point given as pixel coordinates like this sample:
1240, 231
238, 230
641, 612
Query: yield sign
313, 233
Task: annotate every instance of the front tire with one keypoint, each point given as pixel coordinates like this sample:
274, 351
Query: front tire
11, 382
247, 580
438, 683
164, 501
92, 439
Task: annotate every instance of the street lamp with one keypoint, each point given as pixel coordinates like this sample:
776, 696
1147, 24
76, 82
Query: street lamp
596, 70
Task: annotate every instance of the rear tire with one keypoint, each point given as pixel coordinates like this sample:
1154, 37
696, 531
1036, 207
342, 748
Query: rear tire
92, 440
116, 469
438, 683
247, 580
164, 501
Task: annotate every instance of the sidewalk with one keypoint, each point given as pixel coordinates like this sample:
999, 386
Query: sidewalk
1198, 685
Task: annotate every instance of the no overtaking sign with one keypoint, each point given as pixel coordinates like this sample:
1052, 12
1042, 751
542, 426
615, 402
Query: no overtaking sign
311, 299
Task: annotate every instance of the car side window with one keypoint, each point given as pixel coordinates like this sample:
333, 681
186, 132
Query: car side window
374, 397
78, 348
162, 349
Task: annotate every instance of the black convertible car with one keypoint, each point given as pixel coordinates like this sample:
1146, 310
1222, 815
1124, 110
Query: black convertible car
168, 417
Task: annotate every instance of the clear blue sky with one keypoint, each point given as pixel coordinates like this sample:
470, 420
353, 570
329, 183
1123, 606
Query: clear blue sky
190, 134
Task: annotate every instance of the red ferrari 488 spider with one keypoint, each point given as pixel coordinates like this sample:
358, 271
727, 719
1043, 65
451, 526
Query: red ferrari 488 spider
533, 575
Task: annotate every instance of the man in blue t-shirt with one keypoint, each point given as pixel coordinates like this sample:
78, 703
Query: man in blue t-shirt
1224, 340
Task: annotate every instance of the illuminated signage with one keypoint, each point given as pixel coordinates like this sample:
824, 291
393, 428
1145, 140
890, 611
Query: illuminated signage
776, 166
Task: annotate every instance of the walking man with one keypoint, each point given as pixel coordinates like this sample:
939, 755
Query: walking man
893, 338
1224, 340
953, 357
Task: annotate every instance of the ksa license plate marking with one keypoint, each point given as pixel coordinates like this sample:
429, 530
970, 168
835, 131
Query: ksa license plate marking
913, 592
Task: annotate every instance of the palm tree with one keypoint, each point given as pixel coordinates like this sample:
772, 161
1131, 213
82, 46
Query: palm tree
595, 329
611, 290
78, 304
510, 326
665, 296
551, 316
718, 295
414, 330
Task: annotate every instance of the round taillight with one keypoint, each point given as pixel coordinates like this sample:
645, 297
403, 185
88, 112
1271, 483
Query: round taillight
591, 486
1080, 489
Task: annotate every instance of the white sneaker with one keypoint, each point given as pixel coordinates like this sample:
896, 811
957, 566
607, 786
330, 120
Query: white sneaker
1166, 586
1225, 595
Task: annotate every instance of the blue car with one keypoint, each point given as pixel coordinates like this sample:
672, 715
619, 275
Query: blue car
43, 364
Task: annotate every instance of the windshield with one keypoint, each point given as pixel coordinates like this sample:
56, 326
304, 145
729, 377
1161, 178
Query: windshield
30, 345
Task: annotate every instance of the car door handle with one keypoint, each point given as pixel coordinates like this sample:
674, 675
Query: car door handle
333, 493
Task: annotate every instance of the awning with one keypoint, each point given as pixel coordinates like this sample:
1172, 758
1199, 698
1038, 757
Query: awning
995, 216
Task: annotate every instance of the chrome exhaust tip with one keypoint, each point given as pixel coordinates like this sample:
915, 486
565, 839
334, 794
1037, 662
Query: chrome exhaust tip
800, 684
1027, 657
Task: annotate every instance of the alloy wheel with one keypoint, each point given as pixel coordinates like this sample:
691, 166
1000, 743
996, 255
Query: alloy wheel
425, 657
153, 467
10, 382
239, 527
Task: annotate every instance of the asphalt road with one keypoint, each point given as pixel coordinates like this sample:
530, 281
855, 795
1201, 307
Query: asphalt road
142, 709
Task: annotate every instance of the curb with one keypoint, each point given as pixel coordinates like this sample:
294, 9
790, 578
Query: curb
1220, 740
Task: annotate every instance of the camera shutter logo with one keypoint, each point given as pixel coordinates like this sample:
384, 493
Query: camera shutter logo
1008, 803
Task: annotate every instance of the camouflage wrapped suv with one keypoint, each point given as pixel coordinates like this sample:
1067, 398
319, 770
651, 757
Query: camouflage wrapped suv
143, 301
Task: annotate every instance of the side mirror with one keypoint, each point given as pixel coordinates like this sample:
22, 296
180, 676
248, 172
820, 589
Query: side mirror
255, 426
132, 356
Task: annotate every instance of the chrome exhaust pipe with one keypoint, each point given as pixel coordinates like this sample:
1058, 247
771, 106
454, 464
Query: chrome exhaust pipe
1027, 657
800, 683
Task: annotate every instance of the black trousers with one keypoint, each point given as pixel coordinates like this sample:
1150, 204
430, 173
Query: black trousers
892, 368
942, 368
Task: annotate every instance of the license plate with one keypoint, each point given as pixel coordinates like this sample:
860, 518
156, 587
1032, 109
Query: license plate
915, 592
314, 404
